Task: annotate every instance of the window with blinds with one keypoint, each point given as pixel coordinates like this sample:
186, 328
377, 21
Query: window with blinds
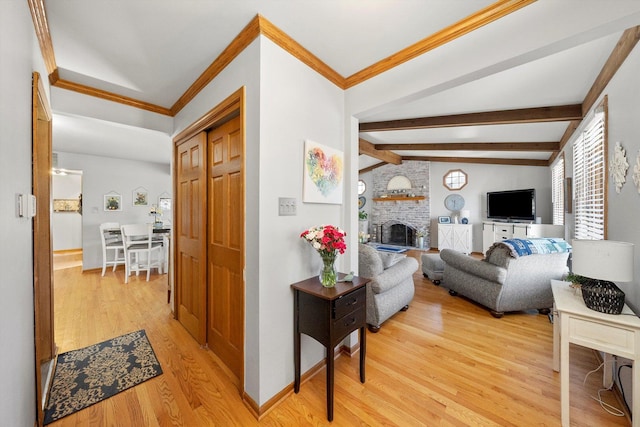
557, 190
589, 179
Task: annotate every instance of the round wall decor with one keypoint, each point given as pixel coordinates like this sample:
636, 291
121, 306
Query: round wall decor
454, 202
361, 202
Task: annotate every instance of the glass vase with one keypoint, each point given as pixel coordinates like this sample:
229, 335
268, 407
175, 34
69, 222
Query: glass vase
328, 275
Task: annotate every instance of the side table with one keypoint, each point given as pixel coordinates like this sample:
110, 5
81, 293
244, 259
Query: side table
575, 323
328, 315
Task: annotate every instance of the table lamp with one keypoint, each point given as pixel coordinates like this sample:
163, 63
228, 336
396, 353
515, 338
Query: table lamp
603, 261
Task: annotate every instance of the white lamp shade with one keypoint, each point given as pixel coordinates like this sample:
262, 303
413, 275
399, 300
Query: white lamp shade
465, 213
603, 259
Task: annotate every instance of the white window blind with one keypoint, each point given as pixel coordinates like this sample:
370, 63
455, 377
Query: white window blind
557, 191
589, 180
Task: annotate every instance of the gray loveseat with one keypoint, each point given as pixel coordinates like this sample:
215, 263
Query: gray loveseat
503, 282
391, 288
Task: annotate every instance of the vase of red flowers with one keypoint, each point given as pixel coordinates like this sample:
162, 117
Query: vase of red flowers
328, 240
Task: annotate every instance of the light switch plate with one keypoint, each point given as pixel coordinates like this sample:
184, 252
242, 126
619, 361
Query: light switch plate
287, 206
26, 205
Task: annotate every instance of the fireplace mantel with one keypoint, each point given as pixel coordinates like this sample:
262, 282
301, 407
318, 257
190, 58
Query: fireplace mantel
399, 199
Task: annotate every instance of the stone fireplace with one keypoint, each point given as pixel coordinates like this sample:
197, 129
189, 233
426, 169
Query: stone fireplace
397, 221
397, 233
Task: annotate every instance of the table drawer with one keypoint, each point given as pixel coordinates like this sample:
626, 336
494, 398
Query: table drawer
608, 338
349, 302
347, 323
502, 235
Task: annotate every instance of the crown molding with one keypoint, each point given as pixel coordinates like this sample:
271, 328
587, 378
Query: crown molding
109, 96
479, 19
41, 26
259, 25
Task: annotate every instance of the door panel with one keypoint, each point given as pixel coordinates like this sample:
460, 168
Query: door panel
45, 347
191, 236
225, 332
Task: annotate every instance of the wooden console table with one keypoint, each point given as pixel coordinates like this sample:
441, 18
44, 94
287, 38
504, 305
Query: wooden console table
328, 315
615, 334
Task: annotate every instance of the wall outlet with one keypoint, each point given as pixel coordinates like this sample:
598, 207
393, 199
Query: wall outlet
287, 206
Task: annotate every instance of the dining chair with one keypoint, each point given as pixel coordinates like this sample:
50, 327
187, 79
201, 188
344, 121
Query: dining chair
111, 242
141, 251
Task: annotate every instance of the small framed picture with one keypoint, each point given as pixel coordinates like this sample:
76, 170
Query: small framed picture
112, 202
444, 220
164, 203
140, 197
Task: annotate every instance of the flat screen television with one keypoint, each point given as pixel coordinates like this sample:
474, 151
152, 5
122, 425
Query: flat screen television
513, 205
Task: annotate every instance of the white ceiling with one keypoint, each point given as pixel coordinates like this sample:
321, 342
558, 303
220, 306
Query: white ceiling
153, 50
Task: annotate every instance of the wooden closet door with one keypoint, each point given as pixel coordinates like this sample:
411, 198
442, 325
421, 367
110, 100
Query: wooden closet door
190, 234
225, 332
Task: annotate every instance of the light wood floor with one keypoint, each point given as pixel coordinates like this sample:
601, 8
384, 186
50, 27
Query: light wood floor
444, 362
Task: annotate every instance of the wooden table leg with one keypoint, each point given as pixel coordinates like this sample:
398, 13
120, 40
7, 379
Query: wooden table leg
635, 388
296, 345
363, 351
564, 371
330, 384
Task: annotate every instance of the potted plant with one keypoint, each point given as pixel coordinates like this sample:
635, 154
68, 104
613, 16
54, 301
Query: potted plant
363, 225
576, 280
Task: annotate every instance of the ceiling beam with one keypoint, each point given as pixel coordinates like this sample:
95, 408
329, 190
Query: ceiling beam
472, 22
623, 48
619, 54
560, 113
480, 160
372, 167
365, 147
474, 146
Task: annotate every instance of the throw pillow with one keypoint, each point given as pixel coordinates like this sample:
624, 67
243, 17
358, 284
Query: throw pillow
389, 258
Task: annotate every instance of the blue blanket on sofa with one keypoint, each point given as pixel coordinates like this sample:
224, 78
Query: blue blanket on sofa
523, 247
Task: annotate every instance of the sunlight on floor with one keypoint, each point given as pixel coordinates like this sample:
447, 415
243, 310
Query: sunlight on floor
67, 259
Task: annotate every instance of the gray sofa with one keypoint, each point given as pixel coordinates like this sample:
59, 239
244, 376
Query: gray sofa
391, 287
503, 282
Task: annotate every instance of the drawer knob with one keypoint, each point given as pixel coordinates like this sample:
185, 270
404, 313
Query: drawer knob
350, 321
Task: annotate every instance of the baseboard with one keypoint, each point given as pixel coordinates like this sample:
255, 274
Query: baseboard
260, 411
67, 251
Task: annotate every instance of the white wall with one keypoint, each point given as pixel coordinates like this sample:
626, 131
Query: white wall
102, 175
17, 362
624, 103
308, 107
483, 178
66, 226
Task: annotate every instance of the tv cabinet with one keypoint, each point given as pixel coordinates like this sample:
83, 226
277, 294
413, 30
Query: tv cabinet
498, 231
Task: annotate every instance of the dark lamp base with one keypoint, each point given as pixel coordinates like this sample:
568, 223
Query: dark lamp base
603, 296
